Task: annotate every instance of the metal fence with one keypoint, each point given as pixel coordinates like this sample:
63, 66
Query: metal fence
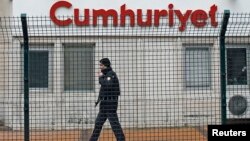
173, 83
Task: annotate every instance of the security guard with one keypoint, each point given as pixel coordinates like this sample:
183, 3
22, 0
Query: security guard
108, 98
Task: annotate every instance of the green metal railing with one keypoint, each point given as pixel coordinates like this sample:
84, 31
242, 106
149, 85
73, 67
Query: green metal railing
223, 66
26, 77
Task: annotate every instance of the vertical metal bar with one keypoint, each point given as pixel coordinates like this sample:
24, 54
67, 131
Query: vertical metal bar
223, 66
26, 77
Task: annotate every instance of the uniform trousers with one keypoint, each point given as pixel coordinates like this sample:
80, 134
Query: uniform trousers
108, 110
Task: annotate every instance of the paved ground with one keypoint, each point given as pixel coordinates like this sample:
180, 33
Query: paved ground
152, 134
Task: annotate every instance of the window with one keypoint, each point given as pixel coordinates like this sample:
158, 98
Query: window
237, 65
38, 68
197, 66
79, 66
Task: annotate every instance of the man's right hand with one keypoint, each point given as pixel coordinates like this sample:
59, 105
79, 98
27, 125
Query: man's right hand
100, 74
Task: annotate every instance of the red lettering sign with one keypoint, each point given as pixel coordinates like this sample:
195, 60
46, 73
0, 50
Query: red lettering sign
198, 17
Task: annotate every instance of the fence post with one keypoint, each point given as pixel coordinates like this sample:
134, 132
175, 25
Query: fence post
223, 66
26, 76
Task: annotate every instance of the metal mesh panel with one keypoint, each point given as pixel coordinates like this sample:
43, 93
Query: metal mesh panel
11, 83
169, 80
237, 67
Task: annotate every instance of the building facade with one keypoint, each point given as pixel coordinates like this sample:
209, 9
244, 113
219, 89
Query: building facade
168, 77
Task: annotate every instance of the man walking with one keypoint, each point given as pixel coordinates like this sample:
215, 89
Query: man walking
108, 98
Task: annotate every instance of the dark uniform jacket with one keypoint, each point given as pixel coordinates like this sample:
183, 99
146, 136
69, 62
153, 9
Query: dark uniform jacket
110, 88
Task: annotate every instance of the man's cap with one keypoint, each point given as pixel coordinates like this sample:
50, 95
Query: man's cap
105, 62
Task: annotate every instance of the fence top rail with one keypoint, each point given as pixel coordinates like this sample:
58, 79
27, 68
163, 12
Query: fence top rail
238, 25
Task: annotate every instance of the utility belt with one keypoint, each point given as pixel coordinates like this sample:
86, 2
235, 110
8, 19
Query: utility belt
109, 98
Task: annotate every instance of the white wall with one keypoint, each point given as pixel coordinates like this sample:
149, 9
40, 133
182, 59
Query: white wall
41, 7
5, 11
152, 85
5, 7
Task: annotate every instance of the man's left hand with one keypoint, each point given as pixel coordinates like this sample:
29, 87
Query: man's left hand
96, 103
